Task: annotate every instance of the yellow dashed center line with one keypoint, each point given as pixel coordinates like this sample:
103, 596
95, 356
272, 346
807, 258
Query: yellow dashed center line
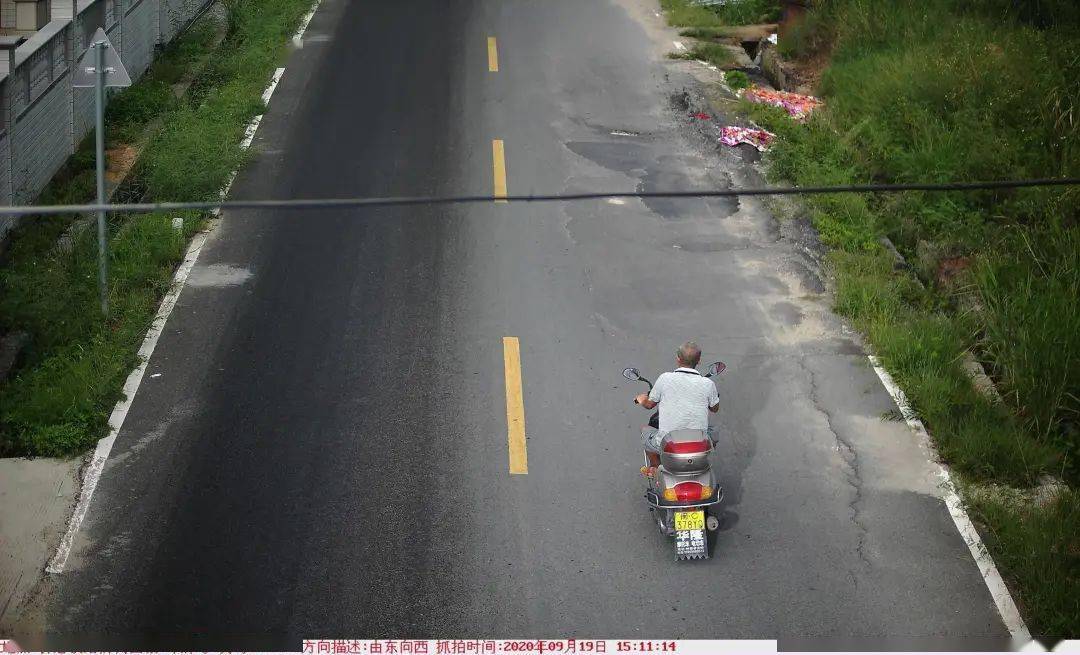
493, 55
498, 162
515, 407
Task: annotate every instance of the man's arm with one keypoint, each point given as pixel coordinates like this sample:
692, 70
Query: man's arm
643, 400
652, 399
714, 398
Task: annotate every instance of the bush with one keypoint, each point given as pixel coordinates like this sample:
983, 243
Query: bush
737, 79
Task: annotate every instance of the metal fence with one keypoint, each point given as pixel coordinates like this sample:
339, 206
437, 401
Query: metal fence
42, 118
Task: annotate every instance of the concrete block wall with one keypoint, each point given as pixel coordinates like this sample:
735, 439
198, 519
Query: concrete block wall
174, 15
6, 222
7, 14
39, 93
62, 9
42, 118
5, 171
140, 35
90, 20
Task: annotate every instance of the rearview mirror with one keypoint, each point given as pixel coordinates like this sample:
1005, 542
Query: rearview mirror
631, 374
716, 368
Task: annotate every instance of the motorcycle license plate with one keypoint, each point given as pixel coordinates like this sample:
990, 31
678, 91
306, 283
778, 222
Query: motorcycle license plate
689, 521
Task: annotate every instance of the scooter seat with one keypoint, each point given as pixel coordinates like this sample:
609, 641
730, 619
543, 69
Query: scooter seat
686, 442
687, 447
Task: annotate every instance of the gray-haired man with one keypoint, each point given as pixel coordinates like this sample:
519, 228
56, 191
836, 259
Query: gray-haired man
685, 397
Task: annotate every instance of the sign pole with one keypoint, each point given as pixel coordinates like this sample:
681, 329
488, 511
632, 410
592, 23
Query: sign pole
100, 67
102, 228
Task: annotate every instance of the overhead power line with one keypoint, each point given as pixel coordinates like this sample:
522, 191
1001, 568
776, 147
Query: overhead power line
345, 203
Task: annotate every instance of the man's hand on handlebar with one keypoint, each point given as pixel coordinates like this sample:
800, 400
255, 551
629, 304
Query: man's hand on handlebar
641, 399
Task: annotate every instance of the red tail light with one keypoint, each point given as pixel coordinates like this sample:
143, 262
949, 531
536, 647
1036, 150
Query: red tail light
688, 491
686, 447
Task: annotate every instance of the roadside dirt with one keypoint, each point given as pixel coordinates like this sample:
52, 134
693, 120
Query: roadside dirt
36, 498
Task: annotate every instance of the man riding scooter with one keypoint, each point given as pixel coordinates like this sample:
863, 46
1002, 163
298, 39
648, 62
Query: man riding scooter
683, 395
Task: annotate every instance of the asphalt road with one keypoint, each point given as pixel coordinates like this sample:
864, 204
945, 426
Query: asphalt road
324, 452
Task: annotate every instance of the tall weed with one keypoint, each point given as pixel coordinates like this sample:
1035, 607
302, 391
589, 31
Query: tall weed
1031, 295
1038, 547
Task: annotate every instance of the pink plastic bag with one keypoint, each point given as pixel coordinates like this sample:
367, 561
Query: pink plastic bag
731, 135
796, 105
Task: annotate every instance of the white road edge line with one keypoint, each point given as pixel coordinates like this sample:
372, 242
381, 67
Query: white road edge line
306, 20
249, 134
119, 413
269, 92
1006, 607
134, 379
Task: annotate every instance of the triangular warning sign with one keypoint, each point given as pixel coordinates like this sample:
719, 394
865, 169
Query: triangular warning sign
86, 70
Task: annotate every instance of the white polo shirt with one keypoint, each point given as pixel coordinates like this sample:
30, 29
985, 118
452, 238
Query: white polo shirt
685, 397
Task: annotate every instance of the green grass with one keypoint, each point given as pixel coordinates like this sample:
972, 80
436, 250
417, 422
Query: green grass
943, 94
1032, 332
705, 32
961, 90
60, 405
127, 116
1039, 546
749, 12
130, 111
712, 23
922, 345
684, 13
59, 401
714, 53
737, 79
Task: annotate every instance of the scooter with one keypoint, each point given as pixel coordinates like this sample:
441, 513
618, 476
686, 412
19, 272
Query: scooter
683, 492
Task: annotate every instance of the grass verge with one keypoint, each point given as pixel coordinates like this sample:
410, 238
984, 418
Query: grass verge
1035, 544
59, 401
127, 117
712, 18
958, 90
712, 24
715, 53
